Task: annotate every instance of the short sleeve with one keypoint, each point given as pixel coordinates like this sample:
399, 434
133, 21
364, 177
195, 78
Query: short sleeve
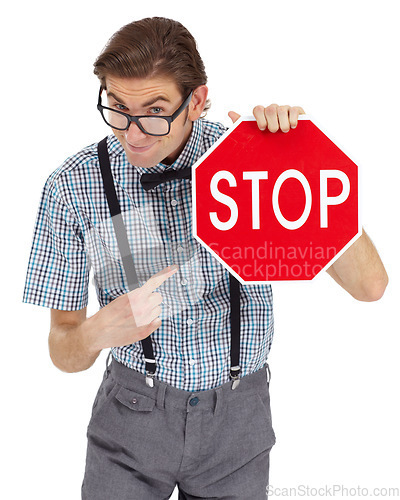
58, 269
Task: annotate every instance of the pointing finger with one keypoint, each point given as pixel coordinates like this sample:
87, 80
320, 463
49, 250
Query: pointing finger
158, 279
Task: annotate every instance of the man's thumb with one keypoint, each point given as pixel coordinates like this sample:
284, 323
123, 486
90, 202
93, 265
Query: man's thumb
233, 116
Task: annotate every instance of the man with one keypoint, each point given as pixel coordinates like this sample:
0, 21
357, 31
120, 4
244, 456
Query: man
173, 408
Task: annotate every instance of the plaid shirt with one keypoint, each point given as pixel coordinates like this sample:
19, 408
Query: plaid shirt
74, 233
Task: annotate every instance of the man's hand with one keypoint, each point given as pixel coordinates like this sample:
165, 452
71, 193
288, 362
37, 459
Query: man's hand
130, 317
274, 117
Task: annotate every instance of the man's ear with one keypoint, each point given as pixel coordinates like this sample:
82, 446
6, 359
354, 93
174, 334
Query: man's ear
198, 102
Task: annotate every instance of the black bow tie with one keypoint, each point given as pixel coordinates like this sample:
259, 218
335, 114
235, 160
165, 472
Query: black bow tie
149, 181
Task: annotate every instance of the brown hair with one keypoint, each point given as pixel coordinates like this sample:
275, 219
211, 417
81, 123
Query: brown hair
152, 47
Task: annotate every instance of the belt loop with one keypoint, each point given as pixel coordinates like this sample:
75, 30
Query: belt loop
161, 395
268, 373
218, 402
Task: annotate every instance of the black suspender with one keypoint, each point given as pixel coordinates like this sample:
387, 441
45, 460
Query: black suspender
124, 249
133, 282
234, 288
116, 215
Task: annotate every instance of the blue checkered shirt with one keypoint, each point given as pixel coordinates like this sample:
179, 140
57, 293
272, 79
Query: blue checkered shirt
74, 234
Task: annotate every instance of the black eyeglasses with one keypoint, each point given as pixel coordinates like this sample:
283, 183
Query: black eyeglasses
151, 125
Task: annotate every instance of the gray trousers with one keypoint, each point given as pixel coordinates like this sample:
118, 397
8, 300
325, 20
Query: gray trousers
144, 441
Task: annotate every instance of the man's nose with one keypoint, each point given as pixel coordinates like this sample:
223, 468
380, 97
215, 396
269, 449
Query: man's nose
134, 134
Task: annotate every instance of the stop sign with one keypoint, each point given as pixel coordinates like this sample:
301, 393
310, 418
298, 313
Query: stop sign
275, 207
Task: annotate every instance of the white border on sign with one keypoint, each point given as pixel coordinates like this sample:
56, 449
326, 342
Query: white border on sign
194, 216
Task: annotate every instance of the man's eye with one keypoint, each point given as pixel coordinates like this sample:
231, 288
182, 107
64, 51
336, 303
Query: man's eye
120, 107
155, 111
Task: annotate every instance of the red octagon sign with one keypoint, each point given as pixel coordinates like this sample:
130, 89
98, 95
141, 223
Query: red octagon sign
275, 207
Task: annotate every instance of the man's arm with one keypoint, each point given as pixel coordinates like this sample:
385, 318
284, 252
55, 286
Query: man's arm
359, 270
69, 346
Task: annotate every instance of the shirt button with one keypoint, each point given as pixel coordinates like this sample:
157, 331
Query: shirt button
174, 203
192, 362
179, 249
189, 322
184, 282
194, 401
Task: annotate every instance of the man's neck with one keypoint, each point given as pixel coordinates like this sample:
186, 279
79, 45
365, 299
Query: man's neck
171, 159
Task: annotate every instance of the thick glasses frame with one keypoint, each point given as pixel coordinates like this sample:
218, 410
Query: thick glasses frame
136, 119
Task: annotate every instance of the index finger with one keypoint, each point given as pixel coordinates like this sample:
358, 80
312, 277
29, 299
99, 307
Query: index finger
158, 279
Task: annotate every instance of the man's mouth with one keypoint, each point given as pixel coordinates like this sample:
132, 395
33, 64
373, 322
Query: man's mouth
139, 149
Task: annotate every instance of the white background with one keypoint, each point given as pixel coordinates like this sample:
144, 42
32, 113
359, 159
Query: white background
334, 361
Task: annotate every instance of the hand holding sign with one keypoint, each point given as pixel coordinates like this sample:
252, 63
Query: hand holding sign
274, 117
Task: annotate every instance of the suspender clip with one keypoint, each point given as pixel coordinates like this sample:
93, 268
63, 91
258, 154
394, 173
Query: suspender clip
235, 371
150, 379
235, 383
150, 371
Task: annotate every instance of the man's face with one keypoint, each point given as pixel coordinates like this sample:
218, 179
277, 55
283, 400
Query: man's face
149, 96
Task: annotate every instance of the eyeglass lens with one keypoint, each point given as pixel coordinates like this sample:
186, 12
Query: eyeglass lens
152, 124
